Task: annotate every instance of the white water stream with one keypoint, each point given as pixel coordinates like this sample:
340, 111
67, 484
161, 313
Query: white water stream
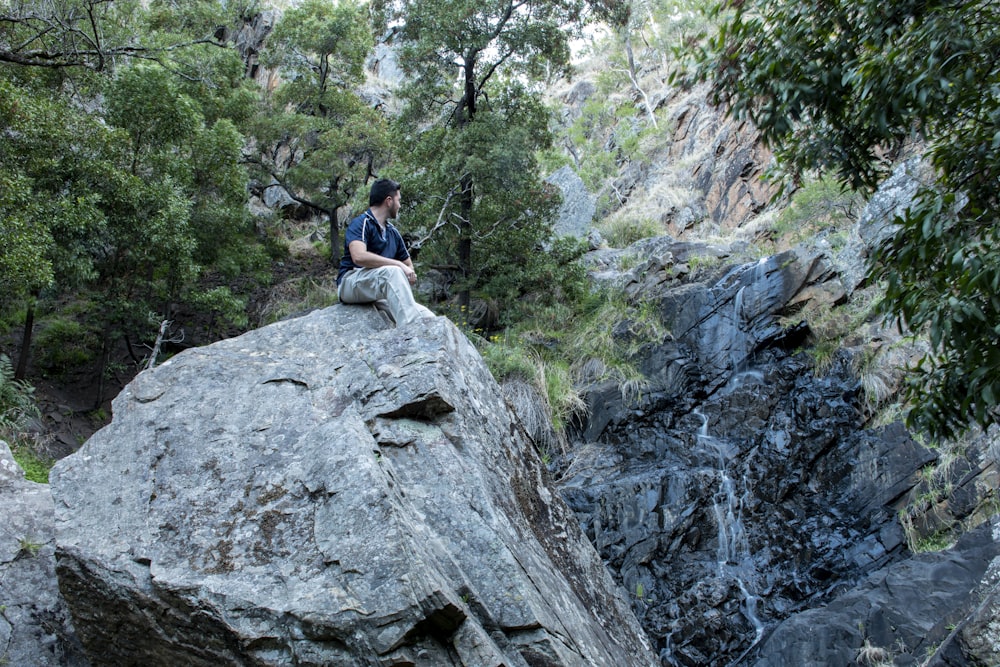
733, 555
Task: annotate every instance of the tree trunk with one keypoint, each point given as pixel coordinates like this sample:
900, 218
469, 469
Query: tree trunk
29, 327
334, 236
633, 75
465, 249
102, 367
466, 115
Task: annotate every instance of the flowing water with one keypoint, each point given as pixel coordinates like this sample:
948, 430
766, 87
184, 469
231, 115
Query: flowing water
733, 555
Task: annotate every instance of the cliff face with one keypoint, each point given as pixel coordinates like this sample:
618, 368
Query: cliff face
744, 499
328, 491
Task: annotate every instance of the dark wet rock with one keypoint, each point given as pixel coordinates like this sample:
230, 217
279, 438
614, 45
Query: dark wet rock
717, 325
743, 507
907, 611
739, 489
328, 490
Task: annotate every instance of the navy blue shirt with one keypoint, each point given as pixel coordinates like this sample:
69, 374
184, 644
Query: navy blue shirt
365, 228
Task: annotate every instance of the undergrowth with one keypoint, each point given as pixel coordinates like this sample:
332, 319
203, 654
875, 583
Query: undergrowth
564, 347
17, 409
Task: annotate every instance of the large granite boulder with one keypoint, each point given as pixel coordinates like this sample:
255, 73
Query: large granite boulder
328, 490
35, 626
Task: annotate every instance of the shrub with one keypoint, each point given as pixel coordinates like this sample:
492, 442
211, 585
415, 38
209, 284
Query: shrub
17, 403
621, 231
63, 344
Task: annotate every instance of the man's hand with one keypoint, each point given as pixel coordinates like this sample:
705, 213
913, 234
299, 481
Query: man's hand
369, 260
411, 275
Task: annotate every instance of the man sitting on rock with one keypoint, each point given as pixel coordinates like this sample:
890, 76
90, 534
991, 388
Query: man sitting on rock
376, 266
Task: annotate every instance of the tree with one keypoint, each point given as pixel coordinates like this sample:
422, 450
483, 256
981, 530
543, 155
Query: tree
625, 18
125, 178
46, 213
840, 86
474, 121
318, 139
91, 34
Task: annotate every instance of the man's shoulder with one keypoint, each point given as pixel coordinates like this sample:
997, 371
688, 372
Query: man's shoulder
358, 219
356, 224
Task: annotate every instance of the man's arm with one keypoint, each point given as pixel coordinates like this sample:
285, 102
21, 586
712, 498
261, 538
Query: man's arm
369, 260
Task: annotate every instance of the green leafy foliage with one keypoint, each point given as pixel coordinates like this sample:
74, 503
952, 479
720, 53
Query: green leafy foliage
17, 403
122, 152
64, 343
17, 408
472, 125
45, 210
318, 139
839, 87
820, 208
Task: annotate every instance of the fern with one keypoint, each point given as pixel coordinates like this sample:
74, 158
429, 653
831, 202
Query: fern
17, 403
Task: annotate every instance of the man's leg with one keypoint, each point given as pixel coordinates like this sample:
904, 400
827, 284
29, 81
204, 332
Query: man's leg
384, 282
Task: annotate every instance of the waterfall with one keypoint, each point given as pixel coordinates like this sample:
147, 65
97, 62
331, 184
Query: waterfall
733, 554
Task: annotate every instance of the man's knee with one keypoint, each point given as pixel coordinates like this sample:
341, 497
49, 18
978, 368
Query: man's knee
394, 272
394, 275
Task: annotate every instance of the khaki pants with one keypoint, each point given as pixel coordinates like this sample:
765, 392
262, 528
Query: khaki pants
385, 283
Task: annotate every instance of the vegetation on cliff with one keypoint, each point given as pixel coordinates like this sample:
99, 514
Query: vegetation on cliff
843, 87
139, 141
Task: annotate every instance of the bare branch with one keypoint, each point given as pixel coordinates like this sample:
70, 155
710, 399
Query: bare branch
492, 70
441, 221
74, 40
161, 338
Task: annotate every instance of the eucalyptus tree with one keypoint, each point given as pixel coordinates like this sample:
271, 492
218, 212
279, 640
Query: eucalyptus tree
473, 123
43, 219
840, 86
318, 139
122, 153
90, 34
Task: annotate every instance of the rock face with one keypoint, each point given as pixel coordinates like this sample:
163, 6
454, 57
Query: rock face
904, 611
877, 221
727, 160
328, 491
577, 210
719, 324
739, 497
35, 626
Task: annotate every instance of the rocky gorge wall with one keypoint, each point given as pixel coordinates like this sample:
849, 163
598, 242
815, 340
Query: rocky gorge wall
743, 497
744, 500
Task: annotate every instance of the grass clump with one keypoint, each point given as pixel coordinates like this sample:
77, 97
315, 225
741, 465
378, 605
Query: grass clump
819, 209
874, 656
565, 346
29, 547
621, 230
36, 466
